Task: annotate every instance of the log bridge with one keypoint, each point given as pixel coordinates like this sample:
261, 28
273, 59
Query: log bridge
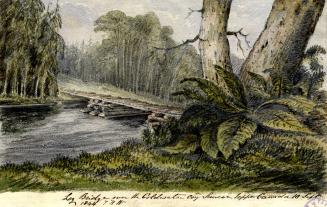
114, 108
109, 110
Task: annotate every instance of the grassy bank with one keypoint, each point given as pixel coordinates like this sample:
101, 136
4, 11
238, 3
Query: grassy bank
75, 85
69, 84
265, 163
18, 100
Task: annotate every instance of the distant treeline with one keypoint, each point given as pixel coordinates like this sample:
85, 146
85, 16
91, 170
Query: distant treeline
129, 58
29, 47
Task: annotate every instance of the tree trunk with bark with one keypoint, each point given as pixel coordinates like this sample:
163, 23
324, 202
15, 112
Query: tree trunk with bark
284, 39
214, 45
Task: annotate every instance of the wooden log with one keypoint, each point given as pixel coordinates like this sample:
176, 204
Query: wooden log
126, 115
154, 125
91, 106
102, 115
152, 119
86, 110
118, 113
160, 115
94, 113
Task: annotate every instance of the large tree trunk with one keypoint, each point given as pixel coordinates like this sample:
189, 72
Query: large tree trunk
282, 43
214, 45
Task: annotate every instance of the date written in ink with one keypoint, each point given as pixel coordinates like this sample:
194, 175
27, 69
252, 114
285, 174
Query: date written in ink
87, 199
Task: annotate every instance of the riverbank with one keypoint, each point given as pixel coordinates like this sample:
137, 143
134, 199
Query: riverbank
6, 101
134, 166
78, 88
71, 90
17, 100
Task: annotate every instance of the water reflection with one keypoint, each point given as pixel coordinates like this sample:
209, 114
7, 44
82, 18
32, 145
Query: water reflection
40, 134
17, 120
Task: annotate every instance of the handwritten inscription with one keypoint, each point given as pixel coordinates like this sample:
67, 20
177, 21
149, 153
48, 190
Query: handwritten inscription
88, 199
92, 199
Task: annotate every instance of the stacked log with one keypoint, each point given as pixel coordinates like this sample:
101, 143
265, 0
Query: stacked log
109, 110
155, 120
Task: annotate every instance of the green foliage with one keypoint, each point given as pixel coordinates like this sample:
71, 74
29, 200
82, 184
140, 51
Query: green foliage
199, 116
208, 143
316, 77
162, 135
296, 104
317, 118
310, 76
233, 133
218, 96
314, 51
281, 120
279, 84
267, 162
259, 80
234, 85
186, 144
192, 95
236, 120
29, 45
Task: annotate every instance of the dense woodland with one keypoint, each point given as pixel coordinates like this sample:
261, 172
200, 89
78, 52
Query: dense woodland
29, 47
131, 56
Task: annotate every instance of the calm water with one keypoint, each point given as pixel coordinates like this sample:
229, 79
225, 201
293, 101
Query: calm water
39, 134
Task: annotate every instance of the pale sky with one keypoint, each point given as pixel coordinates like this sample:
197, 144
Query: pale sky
79, 16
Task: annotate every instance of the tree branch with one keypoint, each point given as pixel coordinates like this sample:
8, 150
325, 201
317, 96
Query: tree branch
196, 38
239, 42
192, 11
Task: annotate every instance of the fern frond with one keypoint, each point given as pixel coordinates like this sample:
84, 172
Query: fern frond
209, 143
294, 103
314, 50
217, 95
233, 83
191, 94
258, 79
233, 133
281, 120
187, 144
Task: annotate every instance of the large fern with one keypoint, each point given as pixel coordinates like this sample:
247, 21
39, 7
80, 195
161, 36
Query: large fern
223, 120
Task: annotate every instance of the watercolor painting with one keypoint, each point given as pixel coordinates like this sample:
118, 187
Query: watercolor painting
160, 96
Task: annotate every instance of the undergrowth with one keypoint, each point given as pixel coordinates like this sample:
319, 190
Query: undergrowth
278, 164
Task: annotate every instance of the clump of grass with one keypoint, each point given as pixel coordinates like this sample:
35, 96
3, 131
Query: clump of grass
161, 135
266, 163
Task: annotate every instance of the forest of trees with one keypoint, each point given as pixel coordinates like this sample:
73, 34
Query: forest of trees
131, 56
29, 47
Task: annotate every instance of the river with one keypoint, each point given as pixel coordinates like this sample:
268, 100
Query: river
39, 134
